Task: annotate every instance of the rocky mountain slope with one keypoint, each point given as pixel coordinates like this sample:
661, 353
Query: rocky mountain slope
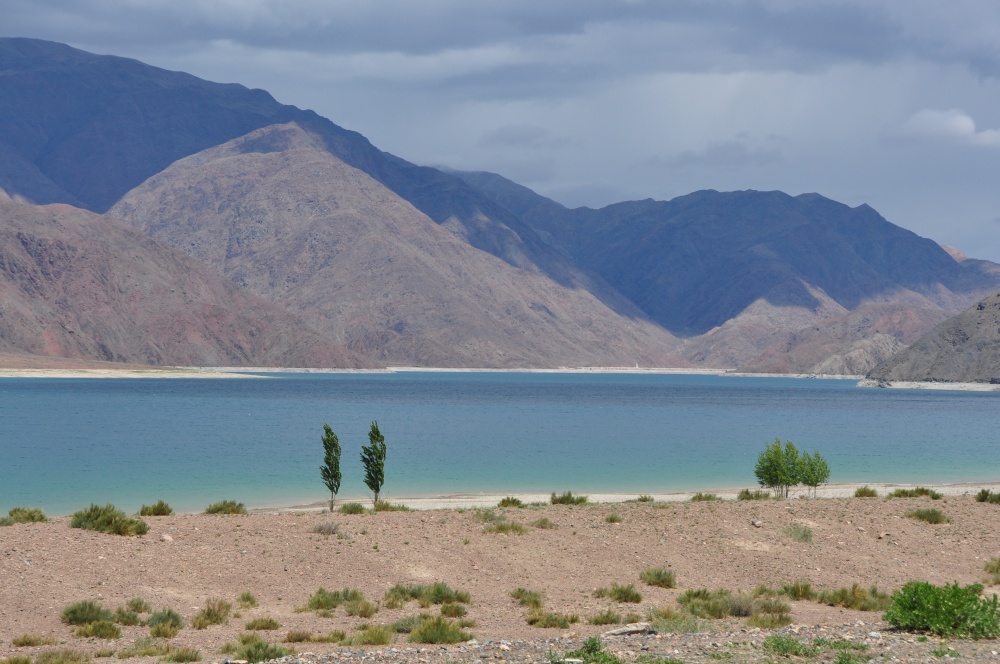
77, 285
280, 215
962, 349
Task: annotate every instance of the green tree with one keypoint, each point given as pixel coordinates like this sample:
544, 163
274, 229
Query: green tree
778, 468
330, 470
813, 471
373, 459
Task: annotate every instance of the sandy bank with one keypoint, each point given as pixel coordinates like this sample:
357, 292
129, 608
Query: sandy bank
929, 385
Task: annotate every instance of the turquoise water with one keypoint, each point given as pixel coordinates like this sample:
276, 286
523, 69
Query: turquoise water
65, 443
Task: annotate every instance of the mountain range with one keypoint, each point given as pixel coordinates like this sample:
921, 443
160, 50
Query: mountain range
355, 257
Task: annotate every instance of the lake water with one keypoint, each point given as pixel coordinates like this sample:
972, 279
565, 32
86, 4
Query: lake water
65, 443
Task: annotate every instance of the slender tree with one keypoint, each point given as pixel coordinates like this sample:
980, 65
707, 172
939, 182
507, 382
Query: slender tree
777, 468
330, 470
373, 459
813, 471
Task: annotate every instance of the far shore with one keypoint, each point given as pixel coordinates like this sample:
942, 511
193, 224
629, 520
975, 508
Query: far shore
487, 500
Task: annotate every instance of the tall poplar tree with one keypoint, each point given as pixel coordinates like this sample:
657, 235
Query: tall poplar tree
330, 470
373, 459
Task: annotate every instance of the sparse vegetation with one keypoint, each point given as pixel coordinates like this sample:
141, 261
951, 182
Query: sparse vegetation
613, 518
799, 533
993, 569
352, 508
216, 612
370, 635
788, 646
756, 494
865, 492
606, 617
263, 624
856, 597
544, 524
551, 620
15, 659
139, 605
246, 600
716, 604
125, 617
164, 631
226, 507
510, 501
703, 497
23, 515
438, 629
505, 528
184, 654
168, 619
326, 528
101, 629
32, 641
987, 496
918, 492
62, 656
658, 576
529, 598
945, 611
386, 506
361, 608
799, 590
567, 498
436, 593
159, 508
108, 519
325, 600
254, 649
85, 612
644, 498
453, 610
620, 593
928, 516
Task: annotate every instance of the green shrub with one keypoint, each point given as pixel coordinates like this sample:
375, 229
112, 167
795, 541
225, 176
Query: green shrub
139, 605
299, 636
510, 501
167, 617
62, 656
371, 635
668, 620
226, 507
567, 498
352, 508
15, 659
407, 624
717, 604
756, 494
32, 641
159, 508
180, 655
263, 623
361, 608
993, 568
102, 629
856, 597
325, 600
550, 620
438, 630
613, 518
436, 593
865, 492
108, 519
788, 646
644, 498
949, 611
544, 524
929, 516
452, 610
385, 506
505, 528
529, 598
916, 493
620, 593
125, 617
703, 497
987, 496
769, 620
85, 612
216, 612
606, 617
164, 631
246, 600
799, 533
799, 590
26, 515
658, 576
256, 649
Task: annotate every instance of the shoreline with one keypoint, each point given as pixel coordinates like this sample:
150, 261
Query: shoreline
461, 501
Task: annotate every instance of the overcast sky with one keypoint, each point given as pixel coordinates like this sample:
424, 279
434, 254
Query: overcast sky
894, 103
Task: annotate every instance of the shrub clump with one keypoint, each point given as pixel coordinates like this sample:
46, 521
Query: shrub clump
788, 646
139, 605
438, 630
504, 528
246, 600
326, 600
510, 501
703, 497
23, 515
102, 629
108, 519
620, 593
948, 611
386, 506
993, 569
159, 508
865, 492
799, 533
226, 507
32, 640
606, 617
62, 656
856, 597
529, 598
551, 620
987, 496
918, 492
756, 494
717, 604
658, 576
352, 508
85, 612
928, 516
263, 623
613, 518
544, 524
567, 498
216, 612
371, 635
255, 649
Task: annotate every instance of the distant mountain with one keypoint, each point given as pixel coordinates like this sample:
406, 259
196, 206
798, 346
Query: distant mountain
77, 285
280, 215
962, 349
761, 280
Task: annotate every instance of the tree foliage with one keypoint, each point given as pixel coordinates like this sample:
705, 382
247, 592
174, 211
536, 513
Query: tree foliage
373, 460
813, 471
780, 467
330, 470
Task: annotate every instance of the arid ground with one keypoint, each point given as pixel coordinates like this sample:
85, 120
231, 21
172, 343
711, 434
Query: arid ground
185, 560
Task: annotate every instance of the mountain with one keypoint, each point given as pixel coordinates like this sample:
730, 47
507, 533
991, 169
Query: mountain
962, 349
74, 284
280, 215
764, 281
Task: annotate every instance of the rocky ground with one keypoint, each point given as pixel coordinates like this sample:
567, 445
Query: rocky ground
281, 559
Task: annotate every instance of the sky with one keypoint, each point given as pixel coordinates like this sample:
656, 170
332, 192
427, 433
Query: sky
893, 103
